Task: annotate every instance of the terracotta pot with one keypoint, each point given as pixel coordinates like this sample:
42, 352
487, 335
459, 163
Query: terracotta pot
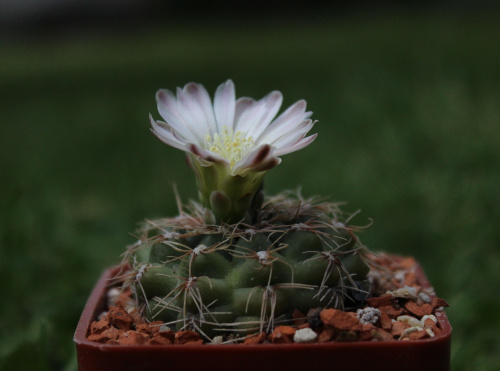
426, 354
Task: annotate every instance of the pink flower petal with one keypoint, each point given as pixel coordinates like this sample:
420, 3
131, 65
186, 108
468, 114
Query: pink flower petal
289, 137
287, 121
196, 108
295, 147
257, 117
163, 132
254, 158
225, 105
168, 108
205, 155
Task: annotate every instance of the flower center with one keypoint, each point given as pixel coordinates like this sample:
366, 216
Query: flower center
232, 146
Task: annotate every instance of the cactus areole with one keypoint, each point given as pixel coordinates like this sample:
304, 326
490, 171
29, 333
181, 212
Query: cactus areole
237, 263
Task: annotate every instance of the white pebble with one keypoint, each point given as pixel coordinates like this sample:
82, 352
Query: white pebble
102, 315
430, 332
412, 290
405, 292
368, 315
305, 335
424, 297
164, 328
113, 295
217, 340
412, 321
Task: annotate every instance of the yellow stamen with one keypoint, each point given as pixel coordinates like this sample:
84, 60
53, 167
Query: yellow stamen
232, 146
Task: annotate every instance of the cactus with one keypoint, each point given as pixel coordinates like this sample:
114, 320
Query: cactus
236, 263
215, 279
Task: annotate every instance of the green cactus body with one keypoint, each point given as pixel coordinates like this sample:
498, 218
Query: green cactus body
224, 278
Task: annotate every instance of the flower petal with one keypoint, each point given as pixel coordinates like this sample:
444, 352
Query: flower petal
224, 105
295, 147
267, 164
168, 108
255, 118
289, 137
293, 116
242, 105
205, 155
254, 158
163, 132
196, 108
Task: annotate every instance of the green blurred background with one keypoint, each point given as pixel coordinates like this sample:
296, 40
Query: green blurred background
408, 110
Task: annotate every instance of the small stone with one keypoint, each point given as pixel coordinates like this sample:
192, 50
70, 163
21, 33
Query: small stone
405, 293
98, 338
165, 328
313, 317
424, 297
429, 331
144, 328
132, 338
112, 333
159, 340
155, 327
380, 334
119, 318
385, 322
366, 333
436, 330
326, 335
256, 339
438, 303
305, 335
217, 340
417, 335
380, 301
170, 335
418, 310
340, 320
102, 316
429, 323
188, 336
368, 315
406, 333
392, 312
282, 335
398, 328
412, 321
98, 327
113, 295
428, 320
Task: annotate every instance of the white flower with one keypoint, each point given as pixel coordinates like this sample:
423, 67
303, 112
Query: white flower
231, 143
240, 134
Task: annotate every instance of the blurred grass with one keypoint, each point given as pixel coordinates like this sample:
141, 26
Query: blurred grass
409, 123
